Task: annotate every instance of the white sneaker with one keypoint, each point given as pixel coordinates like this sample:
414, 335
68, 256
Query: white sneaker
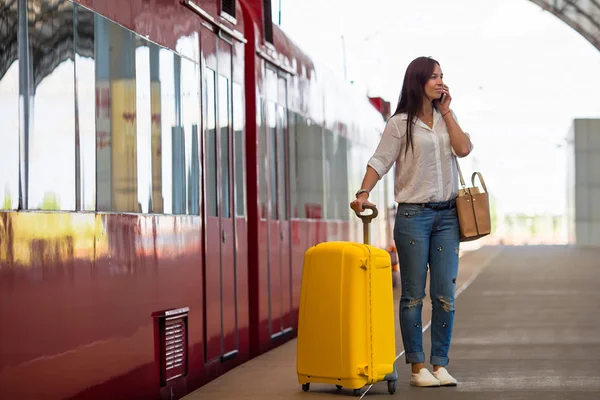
423, 379
444, 377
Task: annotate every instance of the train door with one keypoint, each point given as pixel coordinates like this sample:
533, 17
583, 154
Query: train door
220, 275
279, 263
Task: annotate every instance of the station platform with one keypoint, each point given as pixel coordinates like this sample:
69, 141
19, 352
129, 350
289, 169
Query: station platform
526, 327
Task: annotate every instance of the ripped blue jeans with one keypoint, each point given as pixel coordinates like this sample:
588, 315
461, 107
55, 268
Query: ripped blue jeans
427, 234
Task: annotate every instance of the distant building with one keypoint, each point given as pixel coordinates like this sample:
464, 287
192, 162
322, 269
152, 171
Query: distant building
583, 182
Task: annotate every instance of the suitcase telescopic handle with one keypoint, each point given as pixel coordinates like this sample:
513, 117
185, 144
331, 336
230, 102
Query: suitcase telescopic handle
366, 219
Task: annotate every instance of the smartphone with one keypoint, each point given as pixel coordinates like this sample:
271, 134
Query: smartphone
443, 97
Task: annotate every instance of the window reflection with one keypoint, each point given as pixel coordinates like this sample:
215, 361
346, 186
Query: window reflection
238, 131
111, 122
262, 159
292, 166
147, 122
273, 158
211, 145
224, 144
9, 108
281, 173
190, 107
341, 160
85, 111
51, 183
116, 118
143, 124
309, 169
157, 199
166, 91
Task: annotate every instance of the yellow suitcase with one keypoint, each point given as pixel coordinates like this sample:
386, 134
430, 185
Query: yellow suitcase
346, 322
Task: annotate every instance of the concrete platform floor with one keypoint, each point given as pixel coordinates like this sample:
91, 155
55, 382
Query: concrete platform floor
527, 326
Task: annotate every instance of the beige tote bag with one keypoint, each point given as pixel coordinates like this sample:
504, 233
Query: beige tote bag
473, 208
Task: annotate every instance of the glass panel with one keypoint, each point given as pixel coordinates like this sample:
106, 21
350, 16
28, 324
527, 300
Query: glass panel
163, 93
224, 162
309, 148
281, 157
9, 108
273, 163
86, 109
146, 104
292, 165
178, 156
302, 134
238, 131
51, 183
211, 146
144, 125
190, 105
342, 195
103, 114
262, 158
330, 176
116, 127
156, 184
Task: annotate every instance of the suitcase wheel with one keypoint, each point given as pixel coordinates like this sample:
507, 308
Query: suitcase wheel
357, 392
339, 387
392, 387
306, 387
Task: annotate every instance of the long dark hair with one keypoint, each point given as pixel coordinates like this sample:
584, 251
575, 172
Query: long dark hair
413, 90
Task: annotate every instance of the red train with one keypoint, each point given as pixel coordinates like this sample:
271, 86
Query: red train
164, 165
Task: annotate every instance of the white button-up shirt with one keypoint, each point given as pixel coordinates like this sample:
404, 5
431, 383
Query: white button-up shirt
428, 175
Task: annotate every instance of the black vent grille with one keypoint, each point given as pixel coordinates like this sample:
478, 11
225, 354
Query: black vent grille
228, 7
172, 343
175, 346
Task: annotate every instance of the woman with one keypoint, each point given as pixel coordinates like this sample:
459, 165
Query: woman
423, 138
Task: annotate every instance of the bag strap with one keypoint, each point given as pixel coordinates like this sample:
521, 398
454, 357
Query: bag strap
462, 181
480, 179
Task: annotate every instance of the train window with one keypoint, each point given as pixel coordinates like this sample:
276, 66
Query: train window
336, 172
309, 156
174, 147
177, 147
281, 167
190, 121
273, 158
224, 162
302, 134
282, 122
341, 163
126, 128
211, 138
262, 158
85, 123
116, 152
292, 165
9, 112
330, 171
50, 113
238, 131
157, 200
164, 121
143, 120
